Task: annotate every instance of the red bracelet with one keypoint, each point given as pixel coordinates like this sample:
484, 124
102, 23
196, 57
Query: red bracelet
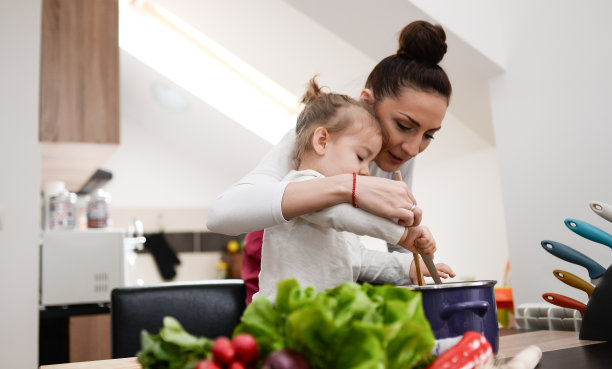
354, 183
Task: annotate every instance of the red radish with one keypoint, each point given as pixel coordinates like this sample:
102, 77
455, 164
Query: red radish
237, 365
222, 350
246, 348
207, 364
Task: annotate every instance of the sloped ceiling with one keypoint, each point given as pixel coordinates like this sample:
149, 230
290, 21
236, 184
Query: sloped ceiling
186, 158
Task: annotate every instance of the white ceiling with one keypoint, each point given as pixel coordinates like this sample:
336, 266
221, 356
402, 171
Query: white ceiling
186, 158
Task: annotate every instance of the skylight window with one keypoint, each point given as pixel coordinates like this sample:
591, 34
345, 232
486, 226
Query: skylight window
206, 69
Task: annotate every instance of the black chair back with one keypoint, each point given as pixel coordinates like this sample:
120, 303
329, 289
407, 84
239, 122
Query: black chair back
209, 308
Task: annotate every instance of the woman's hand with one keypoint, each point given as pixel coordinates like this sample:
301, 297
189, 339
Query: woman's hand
444, 270
379, 196
388, 199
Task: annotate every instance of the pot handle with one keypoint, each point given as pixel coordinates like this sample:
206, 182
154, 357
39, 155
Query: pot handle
479, 307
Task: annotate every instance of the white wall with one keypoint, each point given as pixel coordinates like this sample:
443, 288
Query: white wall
474, 21
551, 112
457, 183
20, 182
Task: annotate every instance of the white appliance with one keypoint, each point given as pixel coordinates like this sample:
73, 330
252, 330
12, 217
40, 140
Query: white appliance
84, 267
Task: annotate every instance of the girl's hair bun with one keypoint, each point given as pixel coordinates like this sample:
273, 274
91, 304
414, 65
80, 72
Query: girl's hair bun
423, 42
313, 91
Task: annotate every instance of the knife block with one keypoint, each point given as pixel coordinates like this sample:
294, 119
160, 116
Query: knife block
597, 320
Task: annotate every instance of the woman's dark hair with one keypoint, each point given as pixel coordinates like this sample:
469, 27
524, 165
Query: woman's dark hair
422, 46
322, 109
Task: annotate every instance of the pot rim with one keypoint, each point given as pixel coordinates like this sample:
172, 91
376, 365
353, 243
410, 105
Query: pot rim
489, 282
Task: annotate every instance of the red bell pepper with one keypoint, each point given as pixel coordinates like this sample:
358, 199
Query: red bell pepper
472, 351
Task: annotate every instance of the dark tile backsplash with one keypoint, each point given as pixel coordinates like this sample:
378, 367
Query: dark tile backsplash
199, 241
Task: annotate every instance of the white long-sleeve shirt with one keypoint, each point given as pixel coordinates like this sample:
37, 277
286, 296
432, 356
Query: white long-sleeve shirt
254, 202
322, 249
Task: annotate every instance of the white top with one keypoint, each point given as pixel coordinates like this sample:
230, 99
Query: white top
254, 202
323, 250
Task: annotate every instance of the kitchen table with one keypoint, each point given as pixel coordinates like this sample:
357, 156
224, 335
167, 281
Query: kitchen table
561, 349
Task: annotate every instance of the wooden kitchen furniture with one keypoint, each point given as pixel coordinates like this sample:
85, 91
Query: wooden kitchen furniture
79, 91
74, 333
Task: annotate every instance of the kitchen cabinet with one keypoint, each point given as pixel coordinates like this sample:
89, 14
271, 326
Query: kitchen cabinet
74, 333
79, 92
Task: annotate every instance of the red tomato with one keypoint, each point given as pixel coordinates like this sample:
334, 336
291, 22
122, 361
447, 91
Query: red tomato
246, 348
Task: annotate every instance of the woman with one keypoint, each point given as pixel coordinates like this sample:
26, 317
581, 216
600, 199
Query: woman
410, 93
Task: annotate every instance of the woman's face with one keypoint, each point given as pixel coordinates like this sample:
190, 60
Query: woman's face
410, 121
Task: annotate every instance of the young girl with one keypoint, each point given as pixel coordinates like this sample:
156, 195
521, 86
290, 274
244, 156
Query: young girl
334, 135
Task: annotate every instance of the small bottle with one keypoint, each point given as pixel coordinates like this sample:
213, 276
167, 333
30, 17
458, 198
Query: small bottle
52, 189
62, 211
98, 209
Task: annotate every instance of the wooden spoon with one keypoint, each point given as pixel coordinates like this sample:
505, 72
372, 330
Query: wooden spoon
417, 261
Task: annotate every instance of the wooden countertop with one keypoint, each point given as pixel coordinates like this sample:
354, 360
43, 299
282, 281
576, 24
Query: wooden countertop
510, 344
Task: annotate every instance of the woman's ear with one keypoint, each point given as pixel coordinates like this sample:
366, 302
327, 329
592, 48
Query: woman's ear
320, 138
367, 96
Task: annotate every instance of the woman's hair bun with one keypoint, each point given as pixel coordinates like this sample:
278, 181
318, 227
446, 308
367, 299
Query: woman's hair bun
423, 42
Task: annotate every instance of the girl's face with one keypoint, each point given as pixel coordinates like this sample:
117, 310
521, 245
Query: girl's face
410, 120
352, 150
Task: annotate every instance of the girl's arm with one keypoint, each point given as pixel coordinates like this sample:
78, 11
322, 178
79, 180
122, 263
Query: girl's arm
345, 218
381, 267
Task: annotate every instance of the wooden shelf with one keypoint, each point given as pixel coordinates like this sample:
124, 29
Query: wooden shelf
79, 92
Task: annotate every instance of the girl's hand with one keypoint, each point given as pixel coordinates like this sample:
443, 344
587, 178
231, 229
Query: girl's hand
418, 239
388, 199
444, 270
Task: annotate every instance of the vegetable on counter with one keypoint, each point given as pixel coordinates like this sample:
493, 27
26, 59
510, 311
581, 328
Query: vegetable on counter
222, 351
285, 359
172, 348
350, 326
472, 351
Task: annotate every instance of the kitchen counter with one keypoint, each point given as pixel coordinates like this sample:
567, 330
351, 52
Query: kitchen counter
561, 349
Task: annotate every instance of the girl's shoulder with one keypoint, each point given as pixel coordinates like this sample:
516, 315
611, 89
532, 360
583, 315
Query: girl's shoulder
302, 175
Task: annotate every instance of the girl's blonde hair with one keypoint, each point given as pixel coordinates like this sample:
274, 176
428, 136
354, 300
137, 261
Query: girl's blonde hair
321, 110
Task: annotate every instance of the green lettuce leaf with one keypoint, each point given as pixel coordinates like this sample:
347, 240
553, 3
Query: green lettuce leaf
264, 323
172, 347
351, 326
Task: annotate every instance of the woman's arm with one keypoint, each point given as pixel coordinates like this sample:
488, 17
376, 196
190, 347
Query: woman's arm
380, 196
254, 202
261, 199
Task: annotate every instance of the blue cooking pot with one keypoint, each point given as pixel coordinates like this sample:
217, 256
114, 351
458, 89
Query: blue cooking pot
457, 307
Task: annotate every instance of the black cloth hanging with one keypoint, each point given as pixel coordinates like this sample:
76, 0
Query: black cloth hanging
164, 255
